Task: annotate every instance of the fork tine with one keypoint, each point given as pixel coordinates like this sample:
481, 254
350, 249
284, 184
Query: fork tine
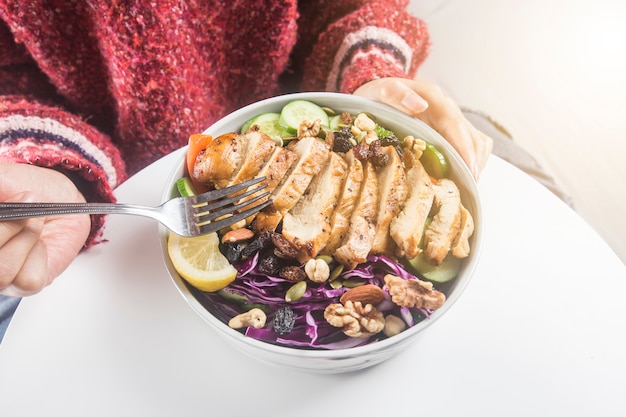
226, 201
210, 227
223, 192
207, 215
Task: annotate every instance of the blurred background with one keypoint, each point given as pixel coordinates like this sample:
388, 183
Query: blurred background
553, 74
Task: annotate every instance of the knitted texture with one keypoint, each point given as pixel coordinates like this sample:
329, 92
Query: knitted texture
141, 76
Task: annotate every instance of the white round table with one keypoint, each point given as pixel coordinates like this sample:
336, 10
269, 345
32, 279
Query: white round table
540, 330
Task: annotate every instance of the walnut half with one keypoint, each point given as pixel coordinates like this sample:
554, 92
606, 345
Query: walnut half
309, 128
414, 293
356, 319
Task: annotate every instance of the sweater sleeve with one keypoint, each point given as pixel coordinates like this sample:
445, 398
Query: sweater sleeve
379, 39
38, 134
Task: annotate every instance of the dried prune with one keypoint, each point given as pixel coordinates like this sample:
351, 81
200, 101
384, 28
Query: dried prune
284, 320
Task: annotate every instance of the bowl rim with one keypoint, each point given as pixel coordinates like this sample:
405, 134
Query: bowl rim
340, 101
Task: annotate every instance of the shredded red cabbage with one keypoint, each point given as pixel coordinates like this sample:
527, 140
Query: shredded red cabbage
252, 288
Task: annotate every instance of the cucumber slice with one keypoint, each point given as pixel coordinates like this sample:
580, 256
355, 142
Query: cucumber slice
246, 126
434, 162
185, 187
447, 271
297, 111
268, 123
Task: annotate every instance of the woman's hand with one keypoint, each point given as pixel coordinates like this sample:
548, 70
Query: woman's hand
35, 251
426, 101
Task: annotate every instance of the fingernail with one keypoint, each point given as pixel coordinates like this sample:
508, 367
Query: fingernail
414, 102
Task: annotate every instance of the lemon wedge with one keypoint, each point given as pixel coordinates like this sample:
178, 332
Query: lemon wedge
199, 261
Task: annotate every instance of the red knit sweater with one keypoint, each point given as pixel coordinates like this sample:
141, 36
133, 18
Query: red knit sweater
100, 88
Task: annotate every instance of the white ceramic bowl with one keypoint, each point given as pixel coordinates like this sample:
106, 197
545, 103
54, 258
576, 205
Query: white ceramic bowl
346, 360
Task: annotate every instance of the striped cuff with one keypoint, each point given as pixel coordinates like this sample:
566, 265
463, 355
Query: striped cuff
34, 138
369, 48
37, 134
373, 42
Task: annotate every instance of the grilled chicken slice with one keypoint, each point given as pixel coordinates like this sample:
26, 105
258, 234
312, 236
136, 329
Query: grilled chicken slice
221, 159
357, 243
446, 222
277, 166
340, 221
231, 158
407, 228
460, 245
392, 192
307, 224
274, 170
259, 148
312, 154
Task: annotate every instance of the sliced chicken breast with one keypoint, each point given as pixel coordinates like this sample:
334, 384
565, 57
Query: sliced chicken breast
274, 170
231, 158
357, 243
407, 228
460, 245
258, 150
446, 222
340, 222
392, 192
307, 224
222, 158
312, 155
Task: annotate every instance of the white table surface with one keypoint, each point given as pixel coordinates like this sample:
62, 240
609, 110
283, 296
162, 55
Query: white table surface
540, 330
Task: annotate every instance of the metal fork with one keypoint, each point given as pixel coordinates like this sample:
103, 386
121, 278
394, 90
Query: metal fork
185, 216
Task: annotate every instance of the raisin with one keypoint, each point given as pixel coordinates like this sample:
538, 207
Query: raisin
284, 320
341, 144
361, 152
269, 265
232, 251
376, 155
389, 141
263, 241
341, 140
284, 246
379, 160
292, 273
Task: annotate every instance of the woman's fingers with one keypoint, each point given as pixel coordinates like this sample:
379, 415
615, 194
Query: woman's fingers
23, 260
426, 101
451, 126
34, 251
445, 116
396, 93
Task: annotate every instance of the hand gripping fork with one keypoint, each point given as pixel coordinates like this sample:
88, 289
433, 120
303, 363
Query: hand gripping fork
186, 216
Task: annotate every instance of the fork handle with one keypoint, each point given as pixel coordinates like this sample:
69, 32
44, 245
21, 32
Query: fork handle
15, 211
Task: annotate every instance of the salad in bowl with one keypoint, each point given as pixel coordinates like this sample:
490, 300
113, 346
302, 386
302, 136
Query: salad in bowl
372, 233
